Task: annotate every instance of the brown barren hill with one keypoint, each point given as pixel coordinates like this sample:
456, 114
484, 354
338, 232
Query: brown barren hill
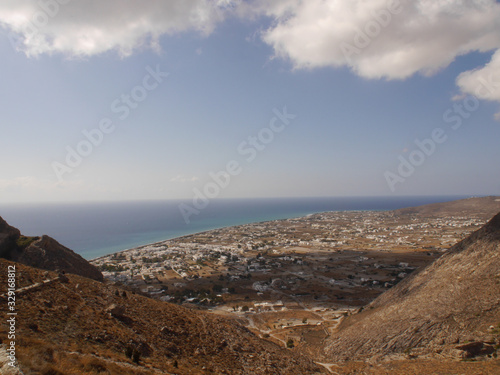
80, 326
8, 238
43, 252
450, 309
484, 207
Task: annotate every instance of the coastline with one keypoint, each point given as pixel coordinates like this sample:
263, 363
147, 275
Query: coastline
348, 256
97, 229
204, 232
217, 229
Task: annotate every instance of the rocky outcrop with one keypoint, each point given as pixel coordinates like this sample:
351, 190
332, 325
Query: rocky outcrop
452, 302
8, 237
45, 253
476, 349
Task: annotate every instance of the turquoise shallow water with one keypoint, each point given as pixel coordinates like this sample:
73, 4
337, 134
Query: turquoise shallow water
97, 229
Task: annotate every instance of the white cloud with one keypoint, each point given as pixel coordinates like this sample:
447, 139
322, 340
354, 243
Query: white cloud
406, 37
391, 39
483, 82
402, 37
89, 27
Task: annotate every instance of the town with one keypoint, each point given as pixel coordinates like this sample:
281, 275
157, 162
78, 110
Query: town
301, 272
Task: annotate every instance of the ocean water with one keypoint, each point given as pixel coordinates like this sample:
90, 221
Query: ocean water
97, 229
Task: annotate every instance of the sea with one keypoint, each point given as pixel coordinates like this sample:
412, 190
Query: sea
100, 228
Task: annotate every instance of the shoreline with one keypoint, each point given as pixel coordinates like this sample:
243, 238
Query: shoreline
300, 262
220, 228
255, 223
229, 227
94, 230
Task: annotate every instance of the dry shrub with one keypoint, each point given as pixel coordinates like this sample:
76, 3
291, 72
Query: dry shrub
35, 354
94, 366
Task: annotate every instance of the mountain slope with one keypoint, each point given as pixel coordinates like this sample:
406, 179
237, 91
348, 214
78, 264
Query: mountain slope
436, 311
8, 238
85, 327
484, 207
44, 252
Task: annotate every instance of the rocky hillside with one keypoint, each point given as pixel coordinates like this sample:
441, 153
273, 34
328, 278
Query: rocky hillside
8, 238
80, 326
43, 252
450, 309
484, 207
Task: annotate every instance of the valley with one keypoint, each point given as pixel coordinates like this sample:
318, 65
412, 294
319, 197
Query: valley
291, 281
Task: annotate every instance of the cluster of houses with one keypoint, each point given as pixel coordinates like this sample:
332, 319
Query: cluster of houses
238, 250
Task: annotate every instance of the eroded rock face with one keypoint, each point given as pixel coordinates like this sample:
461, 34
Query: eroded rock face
49, 254
452, 301
475, 349
44, 252
8, 238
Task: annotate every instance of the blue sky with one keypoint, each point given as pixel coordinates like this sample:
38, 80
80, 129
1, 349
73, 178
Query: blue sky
354, 123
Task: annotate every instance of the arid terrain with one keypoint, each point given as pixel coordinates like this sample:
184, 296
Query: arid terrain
335, 292
80, 326
449, 310
297, 279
